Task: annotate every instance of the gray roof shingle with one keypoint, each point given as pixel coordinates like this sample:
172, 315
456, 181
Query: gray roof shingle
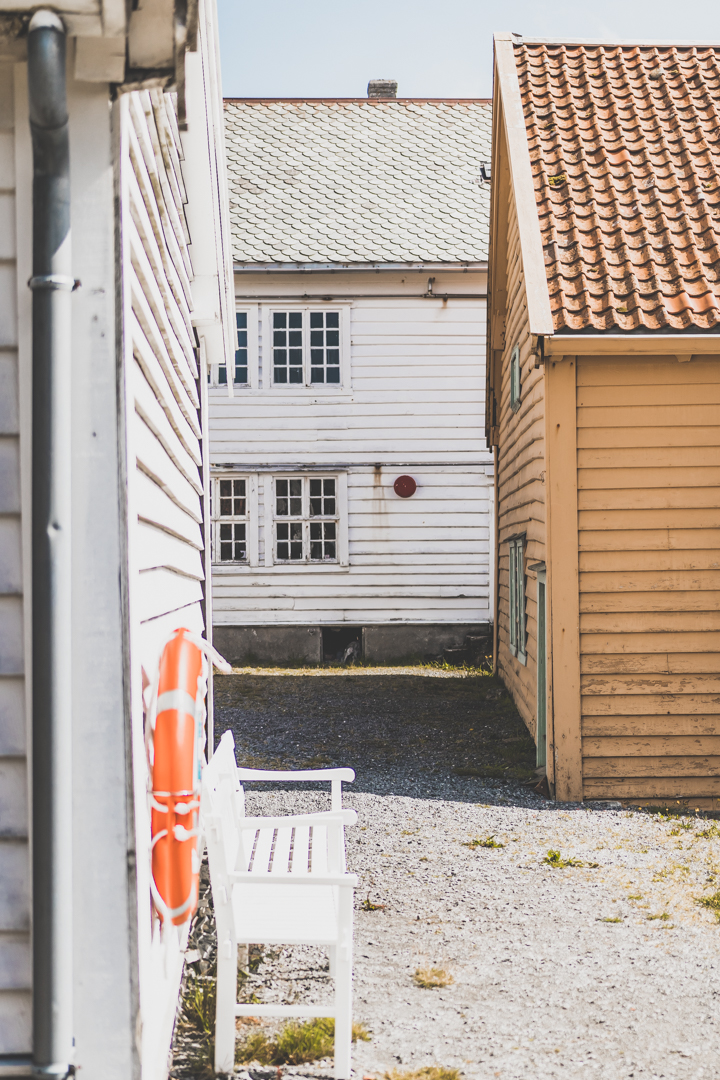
355, 181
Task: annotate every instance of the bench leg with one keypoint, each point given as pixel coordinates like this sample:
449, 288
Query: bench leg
343, 988
225, 1007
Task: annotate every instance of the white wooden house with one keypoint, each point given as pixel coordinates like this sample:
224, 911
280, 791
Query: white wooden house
359, 231
147, 249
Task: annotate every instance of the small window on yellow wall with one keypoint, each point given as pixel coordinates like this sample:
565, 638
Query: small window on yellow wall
515, 379
517, 598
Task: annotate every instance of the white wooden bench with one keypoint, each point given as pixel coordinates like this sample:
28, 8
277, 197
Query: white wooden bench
277, 880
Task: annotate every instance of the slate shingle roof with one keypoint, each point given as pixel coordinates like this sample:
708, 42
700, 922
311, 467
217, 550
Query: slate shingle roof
625, 151
356, 181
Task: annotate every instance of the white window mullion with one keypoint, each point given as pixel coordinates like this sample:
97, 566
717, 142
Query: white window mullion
269, 520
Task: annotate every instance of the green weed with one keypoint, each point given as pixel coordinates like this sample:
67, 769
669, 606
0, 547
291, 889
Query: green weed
295, 1044
430, 1072
432, 978
608, 918
488, 842
662, 916
712, 902
555, 859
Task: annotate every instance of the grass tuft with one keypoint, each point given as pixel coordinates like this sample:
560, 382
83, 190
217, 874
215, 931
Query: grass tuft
663, 916
430, 1072
432, 978
555, 859
367, 905
712, 902
489, 842
613, 918
295, 1044
197, 1018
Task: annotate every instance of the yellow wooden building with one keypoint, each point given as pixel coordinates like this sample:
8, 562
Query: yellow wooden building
604, 411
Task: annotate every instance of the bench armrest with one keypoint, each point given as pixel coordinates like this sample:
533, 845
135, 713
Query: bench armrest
249, 775
238, 878
328, 817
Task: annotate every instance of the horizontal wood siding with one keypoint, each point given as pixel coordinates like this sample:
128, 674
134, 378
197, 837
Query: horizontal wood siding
15, 966
167, 487
521, 480
414, 404
649, 519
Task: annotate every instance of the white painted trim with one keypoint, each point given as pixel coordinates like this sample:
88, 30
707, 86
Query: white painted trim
265, 382
253, 526
642, 43
343, 524
268, 519
632, 345
536, 286
309, 268
253, 345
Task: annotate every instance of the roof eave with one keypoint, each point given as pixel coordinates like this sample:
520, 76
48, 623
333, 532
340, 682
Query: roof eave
651, 344
332, 267
536, 285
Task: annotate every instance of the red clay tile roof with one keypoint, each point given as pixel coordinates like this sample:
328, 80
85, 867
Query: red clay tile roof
625, 150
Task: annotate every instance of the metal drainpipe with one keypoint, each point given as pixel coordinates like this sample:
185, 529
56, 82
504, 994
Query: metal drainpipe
52, 284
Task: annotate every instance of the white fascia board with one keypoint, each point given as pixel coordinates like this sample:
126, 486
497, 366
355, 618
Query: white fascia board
685, 345
536, 286
642, 43
331, 268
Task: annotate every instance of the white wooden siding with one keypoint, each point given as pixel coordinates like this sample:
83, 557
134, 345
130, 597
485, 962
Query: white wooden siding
15, 972
413, 403
164, 471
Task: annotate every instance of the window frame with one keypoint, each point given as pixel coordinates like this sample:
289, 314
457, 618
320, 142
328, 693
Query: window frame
517, 636
515, 380
250, 520
252, 313
268, 367
270, 519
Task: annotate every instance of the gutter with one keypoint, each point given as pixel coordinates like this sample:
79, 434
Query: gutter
355, 268
51, 284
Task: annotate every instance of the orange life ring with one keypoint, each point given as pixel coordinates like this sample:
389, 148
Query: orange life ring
176, 769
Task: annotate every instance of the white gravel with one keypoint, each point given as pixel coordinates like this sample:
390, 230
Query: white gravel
543, 987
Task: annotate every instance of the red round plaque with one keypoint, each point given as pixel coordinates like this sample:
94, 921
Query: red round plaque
405, 486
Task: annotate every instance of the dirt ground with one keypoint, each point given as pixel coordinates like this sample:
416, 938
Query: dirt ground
572, 935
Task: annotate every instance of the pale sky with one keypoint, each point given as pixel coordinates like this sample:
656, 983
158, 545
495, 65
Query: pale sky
434, 48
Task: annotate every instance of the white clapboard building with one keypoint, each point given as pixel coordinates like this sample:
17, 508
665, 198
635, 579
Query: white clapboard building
352, 485
103, 499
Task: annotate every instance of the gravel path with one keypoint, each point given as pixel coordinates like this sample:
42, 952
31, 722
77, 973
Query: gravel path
609, 970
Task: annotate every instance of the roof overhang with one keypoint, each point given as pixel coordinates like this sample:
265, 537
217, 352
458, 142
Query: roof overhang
374, 268
510, 114
680, 345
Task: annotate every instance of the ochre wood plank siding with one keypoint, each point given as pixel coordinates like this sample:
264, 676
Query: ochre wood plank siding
521, 480
649, 531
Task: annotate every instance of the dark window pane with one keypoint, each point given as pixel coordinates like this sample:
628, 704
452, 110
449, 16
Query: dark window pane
295, 487
296, 551
241, 320
333, 375
283, 552
241, 375
239, 551
329, 530
316, 318
295, 507
279, 318
316, 356
330, 551
280, 375
279, 337
282, 507
295, 319
329, 507
333, 356
295, 529
332, 337
225, 507
241, 357
315, 530
316, 338
282, 531
295, 375
222, 376
295, 356
295, 338
238, 487
226, 552
316, 551
279, 356
317, 375
226, 487
332, 318
239, 508
242, 339
328, 485
226, 532
281, 486
316, 487
316, 507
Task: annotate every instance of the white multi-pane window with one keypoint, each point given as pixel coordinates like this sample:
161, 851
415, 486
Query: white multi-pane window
306, 348
517, 598
241, 376
229, 511
306, 519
